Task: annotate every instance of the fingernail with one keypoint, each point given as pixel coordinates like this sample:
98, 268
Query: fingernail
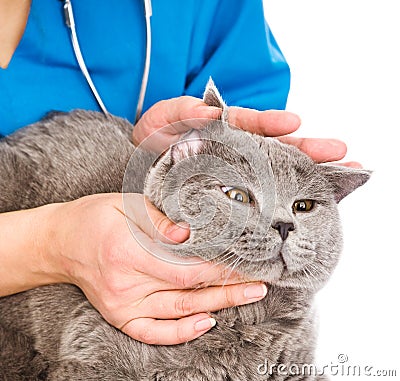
255, 291
339, 146
205, 324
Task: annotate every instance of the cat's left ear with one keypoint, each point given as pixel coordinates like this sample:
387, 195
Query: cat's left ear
189, 145
343, 179
212, 97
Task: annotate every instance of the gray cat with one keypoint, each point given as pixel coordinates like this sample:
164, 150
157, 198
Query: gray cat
255, 204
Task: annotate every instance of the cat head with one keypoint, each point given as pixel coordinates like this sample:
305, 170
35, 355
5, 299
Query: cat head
253, 204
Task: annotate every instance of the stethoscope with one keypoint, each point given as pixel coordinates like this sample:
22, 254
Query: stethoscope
69, 21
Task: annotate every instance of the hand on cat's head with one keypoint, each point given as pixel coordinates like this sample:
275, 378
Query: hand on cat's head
163, 118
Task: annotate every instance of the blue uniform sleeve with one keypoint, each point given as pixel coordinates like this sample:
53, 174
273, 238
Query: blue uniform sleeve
237, 48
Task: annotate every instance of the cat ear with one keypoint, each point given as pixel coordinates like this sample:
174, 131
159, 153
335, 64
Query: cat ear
344, 180
212, 97
189, 145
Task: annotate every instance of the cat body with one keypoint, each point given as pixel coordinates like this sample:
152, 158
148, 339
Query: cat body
66, 156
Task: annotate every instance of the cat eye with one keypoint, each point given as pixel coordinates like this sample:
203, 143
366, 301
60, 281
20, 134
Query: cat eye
236, 194
302, 206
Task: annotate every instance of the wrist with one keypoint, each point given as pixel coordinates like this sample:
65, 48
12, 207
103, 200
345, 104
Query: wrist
23, 251
46, 245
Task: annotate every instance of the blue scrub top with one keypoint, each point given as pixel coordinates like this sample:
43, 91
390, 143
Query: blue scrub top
192, 40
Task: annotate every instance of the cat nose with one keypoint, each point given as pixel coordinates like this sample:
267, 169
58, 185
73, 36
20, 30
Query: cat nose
284, 228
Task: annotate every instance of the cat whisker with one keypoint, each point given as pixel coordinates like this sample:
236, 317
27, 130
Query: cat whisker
235, 263
318, 269
309, 274
305, 272
225, 257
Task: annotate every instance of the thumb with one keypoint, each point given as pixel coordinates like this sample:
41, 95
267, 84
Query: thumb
152, 222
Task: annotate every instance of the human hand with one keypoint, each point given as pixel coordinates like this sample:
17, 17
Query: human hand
163, 116
90, 245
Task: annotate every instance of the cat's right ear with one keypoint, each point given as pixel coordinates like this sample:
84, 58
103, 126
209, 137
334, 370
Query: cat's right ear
212, 97
343, 179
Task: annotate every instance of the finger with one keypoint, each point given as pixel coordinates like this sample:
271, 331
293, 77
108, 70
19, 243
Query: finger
168, 112
177, 272
177, 303
141, 212
186, 108
160, 227
320, 150
183, 273
266, 123
168, 332
350, 164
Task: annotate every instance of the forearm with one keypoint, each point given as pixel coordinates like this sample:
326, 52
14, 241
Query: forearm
23, 263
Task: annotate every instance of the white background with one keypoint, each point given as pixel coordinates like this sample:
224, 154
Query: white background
345, 60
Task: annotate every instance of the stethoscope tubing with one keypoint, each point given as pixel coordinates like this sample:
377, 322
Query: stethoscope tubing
70, 23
